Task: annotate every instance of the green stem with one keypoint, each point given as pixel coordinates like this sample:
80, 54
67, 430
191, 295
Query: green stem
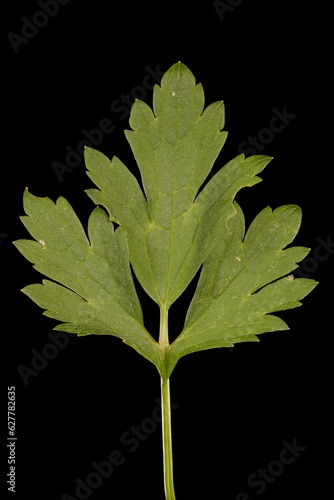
167, 440
166, 413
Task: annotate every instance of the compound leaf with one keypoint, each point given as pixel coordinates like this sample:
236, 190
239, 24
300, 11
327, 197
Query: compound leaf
167, 230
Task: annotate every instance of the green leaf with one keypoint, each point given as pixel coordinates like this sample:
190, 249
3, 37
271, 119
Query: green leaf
175, 146
167, 230
176, 224
239, 284
95, 294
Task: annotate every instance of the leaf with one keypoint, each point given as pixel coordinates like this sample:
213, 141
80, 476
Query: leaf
175, 146
239, 284
167, 230
98, 294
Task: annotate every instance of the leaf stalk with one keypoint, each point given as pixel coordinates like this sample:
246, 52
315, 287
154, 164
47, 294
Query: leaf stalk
166, 409
167, 440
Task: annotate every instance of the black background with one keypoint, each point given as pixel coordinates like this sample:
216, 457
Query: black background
235, 406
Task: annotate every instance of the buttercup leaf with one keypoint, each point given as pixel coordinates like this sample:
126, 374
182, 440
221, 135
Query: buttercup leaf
167, 232
177, 224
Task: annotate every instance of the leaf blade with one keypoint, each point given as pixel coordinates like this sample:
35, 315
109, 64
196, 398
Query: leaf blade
92, 290
241, 284
175, 146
